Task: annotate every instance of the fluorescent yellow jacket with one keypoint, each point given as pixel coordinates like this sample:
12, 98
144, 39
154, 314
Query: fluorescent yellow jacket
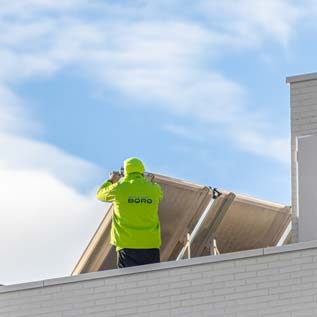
135, 221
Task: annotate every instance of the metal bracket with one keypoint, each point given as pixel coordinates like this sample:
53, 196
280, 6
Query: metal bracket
215, 192
213, 247
188, 245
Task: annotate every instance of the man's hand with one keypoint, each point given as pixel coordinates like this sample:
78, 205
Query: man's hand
114, 177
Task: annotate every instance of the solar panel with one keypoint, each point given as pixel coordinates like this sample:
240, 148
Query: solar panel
237, 222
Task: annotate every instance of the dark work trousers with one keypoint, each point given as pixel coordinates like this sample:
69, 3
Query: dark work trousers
132, 257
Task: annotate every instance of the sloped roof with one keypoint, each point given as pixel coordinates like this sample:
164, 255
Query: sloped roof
238, 222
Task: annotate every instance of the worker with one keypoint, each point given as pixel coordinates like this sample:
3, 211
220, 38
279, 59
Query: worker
135, 229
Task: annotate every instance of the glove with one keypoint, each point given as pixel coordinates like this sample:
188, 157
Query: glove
114, 177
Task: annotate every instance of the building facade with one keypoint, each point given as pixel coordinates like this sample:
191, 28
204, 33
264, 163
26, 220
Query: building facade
276, 281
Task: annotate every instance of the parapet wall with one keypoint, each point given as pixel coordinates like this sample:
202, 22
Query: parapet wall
263, 282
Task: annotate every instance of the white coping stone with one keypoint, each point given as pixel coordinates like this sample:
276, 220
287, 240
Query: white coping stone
160, 266
303, 77
22, 286
155, 267
291, 247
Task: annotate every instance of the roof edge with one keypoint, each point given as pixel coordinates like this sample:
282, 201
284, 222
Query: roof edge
162, 266
301, 77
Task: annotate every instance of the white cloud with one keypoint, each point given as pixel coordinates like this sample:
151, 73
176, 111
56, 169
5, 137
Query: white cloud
252, 22
45, 225
45, 222
22, 153
158, 61
248, 140
275, 148
180, 130
29, 8
146, 60
13, 116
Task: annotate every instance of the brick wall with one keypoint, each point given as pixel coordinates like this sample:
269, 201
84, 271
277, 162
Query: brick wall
303, 97
264, 282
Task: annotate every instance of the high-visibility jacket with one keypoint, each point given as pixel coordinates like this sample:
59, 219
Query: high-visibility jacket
135, 221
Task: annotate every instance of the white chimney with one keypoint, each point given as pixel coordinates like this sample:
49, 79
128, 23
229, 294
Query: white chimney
303, 96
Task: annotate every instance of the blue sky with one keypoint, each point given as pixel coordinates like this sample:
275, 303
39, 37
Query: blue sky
194, 88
